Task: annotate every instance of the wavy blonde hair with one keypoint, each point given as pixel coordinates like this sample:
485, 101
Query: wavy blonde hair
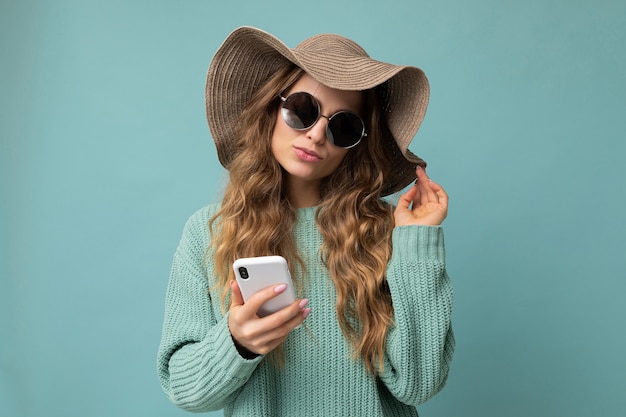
354, 221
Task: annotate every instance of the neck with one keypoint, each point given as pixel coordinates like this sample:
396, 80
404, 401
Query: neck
303, 193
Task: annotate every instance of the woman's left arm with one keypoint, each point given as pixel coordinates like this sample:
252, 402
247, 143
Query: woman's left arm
420, 345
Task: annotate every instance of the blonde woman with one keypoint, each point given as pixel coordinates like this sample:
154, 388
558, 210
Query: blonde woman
313, 138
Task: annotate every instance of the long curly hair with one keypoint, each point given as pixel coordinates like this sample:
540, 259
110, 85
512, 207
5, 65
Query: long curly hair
354, 221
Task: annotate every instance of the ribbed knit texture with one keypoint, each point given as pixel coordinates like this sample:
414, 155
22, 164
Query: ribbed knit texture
201, 370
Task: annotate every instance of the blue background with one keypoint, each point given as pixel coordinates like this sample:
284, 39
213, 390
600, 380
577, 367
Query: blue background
105, 152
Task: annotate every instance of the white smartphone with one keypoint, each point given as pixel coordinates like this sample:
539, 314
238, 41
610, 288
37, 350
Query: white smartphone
254, 274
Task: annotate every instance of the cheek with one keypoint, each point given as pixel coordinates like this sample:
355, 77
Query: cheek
337, 157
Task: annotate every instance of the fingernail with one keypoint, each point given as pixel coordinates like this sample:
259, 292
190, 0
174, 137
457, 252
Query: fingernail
306, 312
280, 288
303, 303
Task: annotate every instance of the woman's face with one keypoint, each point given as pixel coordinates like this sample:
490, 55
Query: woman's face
306, 155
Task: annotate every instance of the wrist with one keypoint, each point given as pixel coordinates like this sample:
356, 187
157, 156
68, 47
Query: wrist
244, 352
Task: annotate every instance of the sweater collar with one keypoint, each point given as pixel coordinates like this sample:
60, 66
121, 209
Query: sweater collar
306, 213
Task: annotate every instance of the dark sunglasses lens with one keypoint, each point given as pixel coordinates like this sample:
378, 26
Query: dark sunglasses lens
300, 111
345, 129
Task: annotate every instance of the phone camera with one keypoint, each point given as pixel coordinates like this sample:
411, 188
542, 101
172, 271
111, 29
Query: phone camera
243, 272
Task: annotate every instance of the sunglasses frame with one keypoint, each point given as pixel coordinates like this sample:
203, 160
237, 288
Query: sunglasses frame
329, 133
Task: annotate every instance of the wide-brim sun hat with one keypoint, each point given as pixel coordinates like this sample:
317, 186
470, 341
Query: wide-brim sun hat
250, 56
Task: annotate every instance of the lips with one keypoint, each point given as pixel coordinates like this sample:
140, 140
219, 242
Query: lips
307, 154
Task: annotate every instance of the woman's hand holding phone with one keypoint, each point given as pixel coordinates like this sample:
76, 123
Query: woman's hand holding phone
260, 335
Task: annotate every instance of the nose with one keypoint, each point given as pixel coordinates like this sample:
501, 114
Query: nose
317, 132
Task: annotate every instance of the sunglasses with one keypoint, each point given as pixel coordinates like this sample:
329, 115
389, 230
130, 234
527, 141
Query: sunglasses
301, 111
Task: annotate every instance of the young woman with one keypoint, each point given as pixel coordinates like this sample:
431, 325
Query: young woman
313, 138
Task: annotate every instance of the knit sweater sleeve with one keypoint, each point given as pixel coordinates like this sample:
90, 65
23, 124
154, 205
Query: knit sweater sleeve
420, 345
198, 365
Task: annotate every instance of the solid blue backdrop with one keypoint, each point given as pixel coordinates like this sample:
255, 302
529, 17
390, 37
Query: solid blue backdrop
105, 152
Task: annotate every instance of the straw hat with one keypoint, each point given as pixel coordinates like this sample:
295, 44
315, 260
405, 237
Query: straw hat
249, 57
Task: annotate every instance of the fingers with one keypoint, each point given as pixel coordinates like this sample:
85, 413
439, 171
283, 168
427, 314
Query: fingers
287, 314
421, 174
261, 335
426, 203
406, 199
236, 298
280, 324
427, 194
254, 303
441, 194
421, 193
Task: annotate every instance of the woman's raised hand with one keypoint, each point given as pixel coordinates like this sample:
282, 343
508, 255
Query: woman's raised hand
260, 335
426, 203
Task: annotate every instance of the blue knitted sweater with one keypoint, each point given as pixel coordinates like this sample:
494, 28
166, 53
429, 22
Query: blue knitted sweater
200, 369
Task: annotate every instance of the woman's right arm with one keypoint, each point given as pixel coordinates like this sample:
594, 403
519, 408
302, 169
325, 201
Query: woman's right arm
198, 364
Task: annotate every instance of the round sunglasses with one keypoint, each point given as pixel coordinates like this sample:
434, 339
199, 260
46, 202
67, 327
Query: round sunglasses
301, 111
